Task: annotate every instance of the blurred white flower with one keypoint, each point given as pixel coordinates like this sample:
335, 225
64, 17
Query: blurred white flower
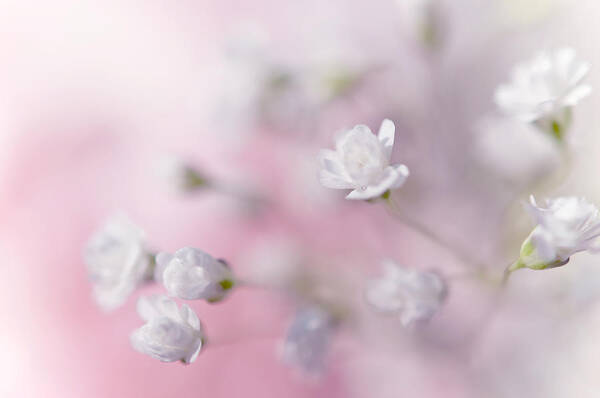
413, 295
361, 162
171, 333
567, 226
117, 261
192, 274
307, 340
544, 89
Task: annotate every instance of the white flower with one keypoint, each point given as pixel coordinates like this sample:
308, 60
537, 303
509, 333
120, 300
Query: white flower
361, 162
545, 88
567, 226
411, 294
171, 333
192, 274
307, 341
117, 261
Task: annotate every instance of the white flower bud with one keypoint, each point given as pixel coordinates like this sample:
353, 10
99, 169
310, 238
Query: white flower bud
192, 274
413, 295
171, 333
117, 261
361, 162
307, 341
567, 226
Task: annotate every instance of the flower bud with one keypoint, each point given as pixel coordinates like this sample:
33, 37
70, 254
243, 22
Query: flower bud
117, 261
171, 333
192, 274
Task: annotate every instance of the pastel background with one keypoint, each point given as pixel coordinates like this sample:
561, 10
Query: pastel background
94, 94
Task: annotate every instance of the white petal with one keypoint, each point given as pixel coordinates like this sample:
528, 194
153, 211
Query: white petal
386, 137
389, 178
146, 308
403, 174
577, 94
162, 261
330, 180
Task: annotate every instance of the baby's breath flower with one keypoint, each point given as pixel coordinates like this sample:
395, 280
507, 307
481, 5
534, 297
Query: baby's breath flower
567, 225
117, 261
171, 333
361, 162
307, 341
192, 274
543, 90
413, 295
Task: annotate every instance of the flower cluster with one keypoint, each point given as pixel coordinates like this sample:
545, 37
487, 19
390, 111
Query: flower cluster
541, 93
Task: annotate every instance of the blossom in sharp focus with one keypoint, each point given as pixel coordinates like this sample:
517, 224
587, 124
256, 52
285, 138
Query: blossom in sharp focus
171, 333
567, 225
544, 90
192, 274
117, 261
361, 162
307, 340
413, 295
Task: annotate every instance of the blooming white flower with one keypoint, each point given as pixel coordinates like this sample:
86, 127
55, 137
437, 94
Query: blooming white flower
171, 333
361, 162
413, 295
544, 89
307, 341
117, 261
192, 274
567, 226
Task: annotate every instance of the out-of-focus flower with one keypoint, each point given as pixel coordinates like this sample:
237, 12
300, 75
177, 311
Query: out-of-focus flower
171, 333
544, 90
192, 274
307, 341
567, 226
413, 295
117, 261
361, 162
179, 175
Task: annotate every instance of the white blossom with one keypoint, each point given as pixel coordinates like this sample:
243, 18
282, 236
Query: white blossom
192, 274
171, 333
361, 162
567, 225
307, 340
544, 89
411, 294
117, 261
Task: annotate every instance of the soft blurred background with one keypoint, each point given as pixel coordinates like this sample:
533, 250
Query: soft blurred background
94, 94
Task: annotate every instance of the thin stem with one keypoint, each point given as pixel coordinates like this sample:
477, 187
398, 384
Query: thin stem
460, 254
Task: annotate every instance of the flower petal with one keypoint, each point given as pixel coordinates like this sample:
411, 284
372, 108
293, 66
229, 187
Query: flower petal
389, 178
386, 137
